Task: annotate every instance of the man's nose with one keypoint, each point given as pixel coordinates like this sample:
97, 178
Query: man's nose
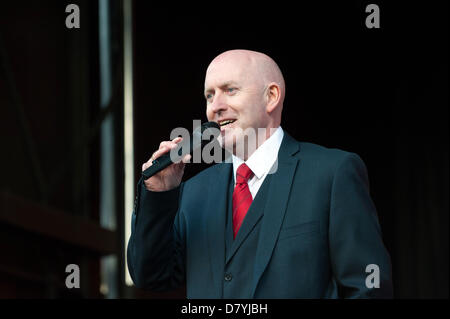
218, 104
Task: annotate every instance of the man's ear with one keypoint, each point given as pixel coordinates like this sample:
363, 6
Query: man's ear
273, 96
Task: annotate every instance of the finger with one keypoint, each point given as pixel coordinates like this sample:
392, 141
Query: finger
169, 144
158, 153
164, 144
147, 164
177, 139
187, 158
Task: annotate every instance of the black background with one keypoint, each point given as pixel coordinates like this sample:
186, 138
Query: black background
381, 93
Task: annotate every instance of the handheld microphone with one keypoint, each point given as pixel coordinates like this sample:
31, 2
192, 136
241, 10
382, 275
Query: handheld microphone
185, 147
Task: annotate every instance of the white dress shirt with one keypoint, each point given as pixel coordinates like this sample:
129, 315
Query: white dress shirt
261, 161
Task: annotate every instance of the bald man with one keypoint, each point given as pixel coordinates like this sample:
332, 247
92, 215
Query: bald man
284, 219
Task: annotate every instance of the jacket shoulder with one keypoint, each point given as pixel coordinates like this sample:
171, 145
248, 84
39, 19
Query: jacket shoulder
322, 152
327, 158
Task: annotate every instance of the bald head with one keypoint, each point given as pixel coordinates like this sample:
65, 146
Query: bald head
255, 67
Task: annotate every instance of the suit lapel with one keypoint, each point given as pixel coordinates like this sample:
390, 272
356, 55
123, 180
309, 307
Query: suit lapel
278, 196
216, 215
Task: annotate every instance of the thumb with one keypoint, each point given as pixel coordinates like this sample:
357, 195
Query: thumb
180, 167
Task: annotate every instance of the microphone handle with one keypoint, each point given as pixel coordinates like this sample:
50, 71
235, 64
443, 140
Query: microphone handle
157, 165
194, 143
164, 161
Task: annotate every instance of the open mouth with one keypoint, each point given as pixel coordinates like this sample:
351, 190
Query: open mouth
226, 122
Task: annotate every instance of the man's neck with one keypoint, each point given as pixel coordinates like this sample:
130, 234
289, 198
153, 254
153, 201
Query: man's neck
262, 135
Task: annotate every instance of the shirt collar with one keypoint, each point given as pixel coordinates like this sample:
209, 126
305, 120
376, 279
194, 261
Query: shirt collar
263, 157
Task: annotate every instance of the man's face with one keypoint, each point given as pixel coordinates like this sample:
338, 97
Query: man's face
235, 95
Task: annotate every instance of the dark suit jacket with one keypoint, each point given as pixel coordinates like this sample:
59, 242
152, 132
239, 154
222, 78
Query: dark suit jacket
317, 233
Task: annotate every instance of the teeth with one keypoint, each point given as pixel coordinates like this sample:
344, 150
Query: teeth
226, 122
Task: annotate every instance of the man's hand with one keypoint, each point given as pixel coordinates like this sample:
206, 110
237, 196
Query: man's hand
171, 176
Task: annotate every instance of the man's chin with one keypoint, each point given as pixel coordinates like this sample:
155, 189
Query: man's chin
237, 146
226, 143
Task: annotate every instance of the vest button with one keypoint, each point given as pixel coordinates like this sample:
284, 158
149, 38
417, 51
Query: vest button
228, 277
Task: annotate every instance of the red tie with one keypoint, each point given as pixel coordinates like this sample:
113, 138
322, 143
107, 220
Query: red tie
242, 198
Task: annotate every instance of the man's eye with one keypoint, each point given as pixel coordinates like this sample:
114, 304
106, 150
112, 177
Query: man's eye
208, 96
231, 90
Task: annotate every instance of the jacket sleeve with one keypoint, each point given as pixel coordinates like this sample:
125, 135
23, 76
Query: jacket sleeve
156, 249
357, 252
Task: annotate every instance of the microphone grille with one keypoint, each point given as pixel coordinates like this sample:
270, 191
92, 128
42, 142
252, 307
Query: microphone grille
207, 125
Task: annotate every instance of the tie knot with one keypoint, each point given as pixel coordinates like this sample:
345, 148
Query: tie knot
243, 174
